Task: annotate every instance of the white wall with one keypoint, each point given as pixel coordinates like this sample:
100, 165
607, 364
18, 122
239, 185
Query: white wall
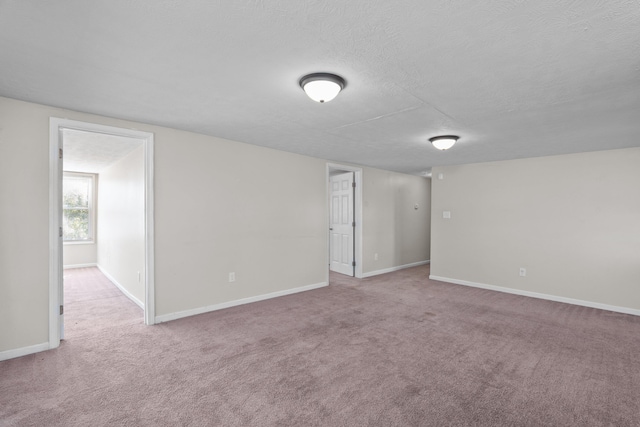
24, 225
79, 254
572, 221
222, 207
393, 228
121, 225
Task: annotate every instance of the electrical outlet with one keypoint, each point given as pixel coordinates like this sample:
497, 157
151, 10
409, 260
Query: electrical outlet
232, 277
523, 272
138, 277
375, 257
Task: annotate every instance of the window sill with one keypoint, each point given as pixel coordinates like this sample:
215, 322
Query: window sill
79, 242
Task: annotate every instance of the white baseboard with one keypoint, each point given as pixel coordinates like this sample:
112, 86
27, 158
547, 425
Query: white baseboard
122, 288
391, 269
617, 309
91, 264
201, 310
19, 352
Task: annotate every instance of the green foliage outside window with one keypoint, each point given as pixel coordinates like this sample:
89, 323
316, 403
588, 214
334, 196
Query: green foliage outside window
76, 218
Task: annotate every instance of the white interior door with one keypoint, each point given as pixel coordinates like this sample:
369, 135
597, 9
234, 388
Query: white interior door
341, 223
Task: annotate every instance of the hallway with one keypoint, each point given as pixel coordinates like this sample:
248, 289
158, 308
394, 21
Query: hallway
93, 304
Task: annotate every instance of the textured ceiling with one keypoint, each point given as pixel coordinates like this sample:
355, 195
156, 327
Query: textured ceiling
512, 78
91, 152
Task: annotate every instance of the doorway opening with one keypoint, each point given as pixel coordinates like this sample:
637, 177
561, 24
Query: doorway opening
344, 195
125, 159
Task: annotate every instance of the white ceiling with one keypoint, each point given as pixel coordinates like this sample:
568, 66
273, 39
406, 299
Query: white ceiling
512, 78
91, 152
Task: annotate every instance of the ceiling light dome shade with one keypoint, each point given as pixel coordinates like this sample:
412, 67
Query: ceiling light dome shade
444, 142
322, 87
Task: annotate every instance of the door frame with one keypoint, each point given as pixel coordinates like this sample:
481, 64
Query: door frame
357, 215
56, 125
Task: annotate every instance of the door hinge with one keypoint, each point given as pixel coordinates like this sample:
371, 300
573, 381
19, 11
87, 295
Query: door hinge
353, 263
353, 184
60, 232
60, 153
353, 224
61, 310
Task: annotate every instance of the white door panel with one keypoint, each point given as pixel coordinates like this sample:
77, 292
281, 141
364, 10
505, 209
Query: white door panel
341, 223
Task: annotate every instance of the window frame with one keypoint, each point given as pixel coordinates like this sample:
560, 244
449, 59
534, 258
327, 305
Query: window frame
91, 207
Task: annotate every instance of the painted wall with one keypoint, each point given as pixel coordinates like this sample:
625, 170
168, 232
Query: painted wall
79, 254
220, 207
393, 228
24, 224
121, 230
572, 221
224, 207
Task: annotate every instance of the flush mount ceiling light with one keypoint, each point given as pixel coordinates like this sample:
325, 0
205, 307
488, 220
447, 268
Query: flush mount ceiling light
322, 87
444, 142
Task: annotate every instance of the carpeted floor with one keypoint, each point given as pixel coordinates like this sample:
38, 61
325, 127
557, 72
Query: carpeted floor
391, 350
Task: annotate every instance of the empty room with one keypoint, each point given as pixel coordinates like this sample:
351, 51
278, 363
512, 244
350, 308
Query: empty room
319, 213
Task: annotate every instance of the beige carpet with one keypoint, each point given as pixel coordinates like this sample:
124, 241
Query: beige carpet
392, 350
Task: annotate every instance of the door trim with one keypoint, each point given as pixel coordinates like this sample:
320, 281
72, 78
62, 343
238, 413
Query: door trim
357, 237
55, 214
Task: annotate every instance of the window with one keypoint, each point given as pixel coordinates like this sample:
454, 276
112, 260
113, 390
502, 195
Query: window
77, 207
